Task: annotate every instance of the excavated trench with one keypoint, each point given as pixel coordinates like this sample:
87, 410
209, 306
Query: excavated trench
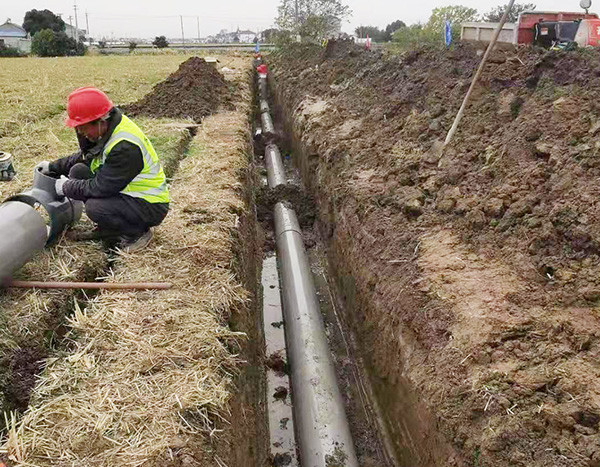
370, 435
471, 280
265, 398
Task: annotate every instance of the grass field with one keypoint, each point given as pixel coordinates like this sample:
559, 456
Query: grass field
134, 373
34, 93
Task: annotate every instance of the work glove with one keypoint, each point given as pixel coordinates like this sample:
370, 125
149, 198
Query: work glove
59, 185
43, 167
8, 174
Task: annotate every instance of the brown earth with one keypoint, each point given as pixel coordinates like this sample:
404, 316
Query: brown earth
194, 91
473, 278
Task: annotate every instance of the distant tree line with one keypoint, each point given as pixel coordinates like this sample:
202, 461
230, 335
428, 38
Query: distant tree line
432, 32
48, 35
379, 35
314, 20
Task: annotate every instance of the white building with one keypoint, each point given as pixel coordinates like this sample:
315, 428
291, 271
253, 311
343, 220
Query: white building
13, 35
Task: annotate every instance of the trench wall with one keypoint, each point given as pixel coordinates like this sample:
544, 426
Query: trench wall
385, 343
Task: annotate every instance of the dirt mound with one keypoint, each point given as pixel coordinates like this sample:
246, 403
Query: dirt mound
341, 48
488, 257
194, 91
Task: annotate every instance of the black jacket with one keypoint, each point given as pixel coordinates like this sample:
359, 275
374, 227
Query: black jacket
123, 164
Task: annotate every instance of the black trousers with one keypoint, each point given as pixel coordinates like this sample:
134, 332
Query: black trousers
121, 214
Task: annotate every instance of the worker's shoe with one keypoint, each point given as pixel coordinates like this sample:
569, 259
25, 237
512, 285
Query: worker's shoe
133, 243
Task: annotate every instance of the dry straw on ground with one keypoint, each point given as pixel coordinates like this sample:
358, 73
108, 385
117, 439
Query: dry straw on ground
32, 96
153, 370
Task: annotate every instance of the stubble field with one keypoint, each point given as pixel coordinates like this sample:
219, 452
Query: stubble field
128, 378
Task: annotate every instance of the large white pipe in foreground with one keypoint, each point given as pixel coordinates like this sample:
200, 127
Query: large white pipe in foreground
23, 232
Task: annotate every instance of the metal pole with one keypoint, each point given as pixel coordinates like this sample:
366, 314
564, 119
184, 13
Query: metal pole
198, 25
87, 25
296, 11
76, 22
478, 73
182, 36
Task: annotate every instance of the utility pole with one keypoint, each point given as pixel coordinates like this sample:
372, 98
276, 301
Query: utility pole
296, 11
198, 24
76, 22
71, 23
87, 24
182, 35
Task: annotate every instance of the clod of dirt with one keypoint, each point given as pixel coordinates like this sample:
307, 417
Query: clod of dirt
280, 393
281, 460
276, 363
23, 365
194, 91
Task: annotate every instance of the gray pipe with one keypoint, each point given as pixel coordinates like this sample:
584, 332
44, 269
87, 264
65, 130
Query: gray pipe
23, 230
268, 129
263, 88
275, 170
264, 106
23, 233
319, 415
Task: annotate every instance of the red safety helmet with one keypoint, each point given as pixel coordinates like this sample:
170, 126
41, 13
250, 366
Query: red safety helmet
85, 105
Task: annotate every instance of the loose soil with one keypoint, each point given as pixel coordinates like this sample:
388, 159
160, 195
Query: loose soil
194, 91
473, 276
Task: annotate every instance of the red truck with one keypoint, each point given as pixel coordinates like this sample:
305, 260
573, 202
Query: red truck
544, 28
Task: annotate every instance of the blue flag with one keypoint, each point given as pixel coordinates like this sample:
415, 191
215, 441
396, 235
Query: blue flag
448, 33
257, 47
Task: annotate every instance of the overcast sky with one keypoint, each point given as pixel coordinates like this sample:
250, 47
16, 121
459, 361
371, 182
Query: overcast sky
149, 18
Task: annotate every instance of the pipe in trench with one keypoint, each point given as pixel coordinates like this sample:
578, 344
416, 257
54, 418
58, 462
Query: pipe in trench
264, 106
263, 88
268, 129
319, 414
275, 169
320, 418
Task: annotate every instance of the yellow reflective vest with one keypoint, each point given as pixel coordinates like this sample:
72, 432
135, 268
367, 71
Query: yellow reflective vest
150, 184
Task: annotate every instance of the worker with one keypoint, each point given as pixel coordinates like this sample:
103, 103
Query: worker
116, 172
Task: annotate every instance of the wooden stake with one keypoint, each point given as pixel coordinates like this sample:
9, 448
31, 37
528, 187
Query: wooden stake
478, 73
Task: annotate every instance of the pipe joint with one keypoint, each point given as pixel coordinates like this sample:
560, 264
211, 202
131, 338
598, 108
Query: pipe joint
286, 220
61, 211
